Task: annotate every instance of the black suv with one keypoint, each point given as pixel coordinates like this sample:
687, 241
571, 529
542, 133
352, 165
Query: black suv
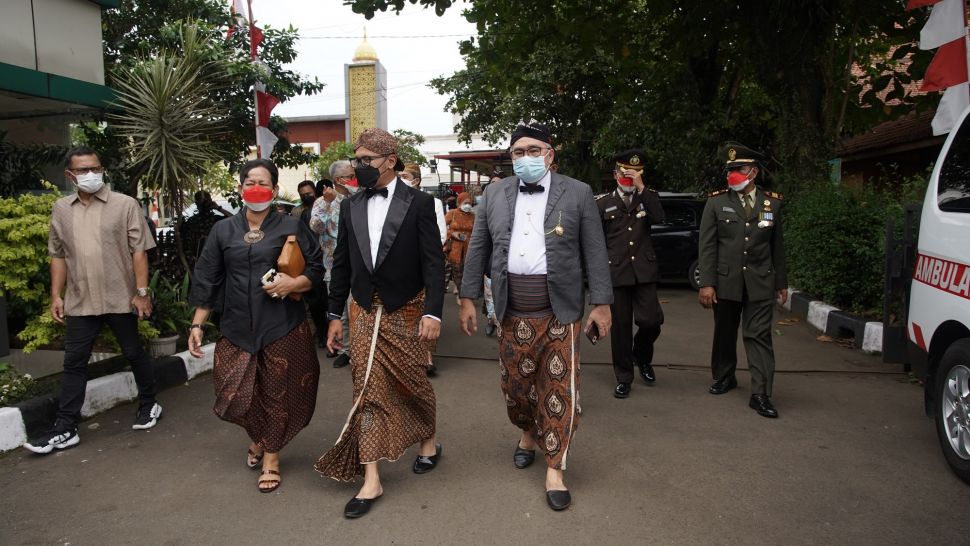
675, 241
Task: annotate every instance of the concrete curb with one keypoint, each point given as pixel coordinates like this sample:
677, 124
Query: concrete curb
834, 322
20, 421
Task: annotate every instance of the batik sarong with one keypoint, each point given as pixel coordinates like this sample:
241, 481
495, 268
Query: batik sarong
539, 358
271, 394
394, 403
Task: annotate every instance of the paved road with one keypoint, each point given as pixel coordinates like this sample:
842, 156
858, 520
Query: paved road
852, 460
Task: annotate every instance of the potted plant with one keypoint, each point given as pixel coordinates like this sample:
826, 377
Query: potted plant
171, 313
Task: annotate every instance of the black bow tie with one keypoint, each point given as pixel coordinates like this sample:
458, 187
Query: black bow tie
531, 188
371, 192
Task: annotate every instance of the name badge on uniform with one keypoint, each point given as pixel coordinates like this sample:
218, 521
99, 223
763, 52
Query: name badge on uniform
610, 209
728, 209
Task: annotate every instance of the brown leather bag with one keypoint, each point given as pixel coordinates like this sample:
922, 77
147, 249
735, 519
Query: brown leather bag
291, 262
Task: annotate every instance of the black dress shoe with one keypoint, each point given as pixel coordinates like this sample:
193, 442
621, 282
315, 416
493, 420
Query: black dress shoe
723, 385
424, 463
358, 507
523, 457
762, 404
432, 370
341, 360
558, 500
622, 390
647, 373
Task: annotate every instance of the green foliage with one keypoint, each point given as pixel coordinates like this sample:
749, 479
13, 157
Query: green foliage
24, 227
14, 387
171, 313
335, 151
836, 241
42, 331
407, 147
677, 78
20, 165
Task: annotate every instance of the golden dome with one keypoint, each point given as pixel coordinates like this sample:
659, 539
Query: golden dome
365, 51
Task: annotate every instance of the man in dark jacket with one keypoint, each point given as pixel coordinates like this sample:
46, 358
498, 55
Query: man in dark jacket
627, 214
742, 270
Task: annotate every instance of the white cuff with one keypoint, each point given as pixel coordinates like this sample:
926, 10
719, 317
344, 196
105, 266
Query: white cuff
431, 317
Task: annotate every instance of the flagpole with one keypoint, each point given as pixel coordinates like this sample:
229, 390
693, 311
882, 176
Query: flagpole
966, 44
253, 57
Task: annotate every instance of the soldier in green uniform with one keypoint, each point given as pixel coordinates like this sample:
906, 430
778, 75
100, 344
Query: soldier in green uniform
627, 214
742, 271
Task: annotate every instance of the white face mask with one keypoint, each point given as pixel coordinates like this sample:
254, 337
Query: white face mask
466, 207
89, 182
351, 189
258, 207
626, 189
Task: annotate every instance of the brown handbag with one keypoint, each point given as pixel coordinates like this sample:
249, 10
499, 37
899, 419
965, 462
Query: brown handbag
291, 262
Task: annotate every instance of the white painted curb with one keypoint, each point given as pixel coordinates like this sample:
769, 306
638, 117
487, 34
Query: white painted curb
787, 304
195, 366
12, 431
872, 340
818, 314
107, 392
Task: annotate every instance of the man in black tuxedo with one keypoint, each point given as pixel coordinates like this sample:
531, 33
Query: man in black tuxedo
388, 258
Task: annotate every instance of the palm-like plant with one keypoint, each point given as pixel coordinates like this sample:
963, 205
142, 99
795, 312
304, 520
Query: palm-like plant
169, 120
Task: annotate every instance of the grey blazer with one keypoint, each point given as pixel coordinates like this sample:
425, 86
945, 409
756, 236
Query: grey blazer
581, 246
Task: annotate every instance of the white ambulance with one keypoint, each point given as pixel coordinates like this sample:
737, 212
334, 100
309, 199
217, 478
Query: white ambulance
939, 309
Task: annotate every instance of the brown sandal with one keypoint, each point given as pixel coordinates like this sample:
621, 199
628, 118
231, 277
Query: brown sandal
276, 481
253, 460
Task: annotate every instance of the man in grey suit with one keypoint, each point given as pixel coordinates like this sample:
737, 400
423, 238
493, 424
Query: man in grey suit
539, 230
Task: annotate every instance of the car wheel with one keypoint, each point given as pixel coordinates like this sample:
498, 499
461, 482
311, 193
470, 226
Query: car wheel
694, 275
953, 417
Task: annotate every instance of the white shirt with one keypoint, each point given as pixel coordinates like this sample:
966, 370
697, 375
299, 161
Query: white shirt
377, 208
527, 247
439, 211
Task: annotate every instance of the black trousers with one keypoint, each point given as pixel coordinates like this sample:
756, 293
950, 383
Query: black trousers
316, 301
634, 304
755, 318
78, 342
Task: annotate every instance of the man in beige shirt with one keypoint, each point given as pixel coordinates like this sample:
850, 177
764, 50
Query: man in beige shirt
98, 242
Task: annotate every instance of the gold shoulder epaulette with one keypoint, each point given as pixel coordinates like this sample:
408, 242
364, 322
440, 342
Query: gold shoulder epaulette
718, 192
776, 195
653, 190
600, 196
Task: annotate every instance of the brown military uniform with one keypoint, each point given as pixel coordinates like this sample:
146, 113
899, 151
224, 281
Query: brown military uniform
634, 271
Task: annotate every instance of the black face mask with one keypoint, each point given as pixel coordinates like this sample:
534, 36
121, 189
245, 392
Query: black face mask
367, 176
307, 200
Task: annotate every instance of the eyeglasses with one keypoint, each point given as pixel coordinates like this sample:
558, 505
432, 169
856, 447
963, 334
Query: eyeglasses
86, 170
533, 151
365, 161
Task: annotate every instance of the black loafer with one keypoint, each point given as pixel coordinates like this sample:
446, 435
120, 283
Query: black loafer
341, 360
762, 404
424, 464
523, 457
647, 373
622, 390
558, 500
358, 507
723, 385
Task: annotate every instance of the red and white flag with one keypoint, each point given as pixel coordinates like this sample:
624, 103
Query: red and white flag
913, 4
237, 8
265, 139
944, 25
945, 31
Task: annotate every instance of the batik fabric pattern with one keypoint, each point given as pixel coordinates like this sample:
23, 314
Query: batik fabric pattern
539, 361
271, 394
394, 405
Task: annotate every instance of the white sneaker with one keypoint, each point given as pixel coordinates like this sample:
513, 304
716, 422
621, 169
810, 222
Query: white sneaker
147, 416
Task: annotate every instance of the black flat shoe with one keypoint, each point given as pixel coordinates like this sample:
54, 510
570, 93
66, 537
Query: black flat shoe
432, 370
762, 404
523, 457
490, 330
622, 390
424, 463
341, 360
723, 385
558, 500
358, 507
647, 373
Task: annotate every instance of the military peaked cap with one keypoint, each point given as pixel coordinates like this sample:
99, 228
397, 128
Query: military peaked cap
735, 154
631, 159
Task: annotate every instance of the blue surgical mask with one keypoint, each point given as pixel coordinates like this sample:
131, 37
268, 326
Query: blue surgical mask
530, 169
478, 199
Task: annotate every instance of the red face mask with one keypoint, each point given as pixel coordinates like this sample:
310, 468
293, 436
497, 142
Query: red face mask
625, 181
257, 198
737, 180
351, 182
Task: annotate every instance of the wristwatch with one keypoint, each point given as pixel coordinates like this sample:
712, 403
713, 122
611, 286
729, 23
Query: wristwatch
143, 292
194, 326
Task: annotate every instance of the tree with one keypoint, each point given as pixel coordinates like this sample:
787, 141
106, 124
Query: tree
678, 77
170, 120
335, 151
407, 147
139, 29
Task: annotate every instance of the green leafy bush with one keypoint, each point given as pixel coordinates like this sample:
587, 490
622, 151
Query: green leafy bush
42, 331
14, 386
171, 313
836, 241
